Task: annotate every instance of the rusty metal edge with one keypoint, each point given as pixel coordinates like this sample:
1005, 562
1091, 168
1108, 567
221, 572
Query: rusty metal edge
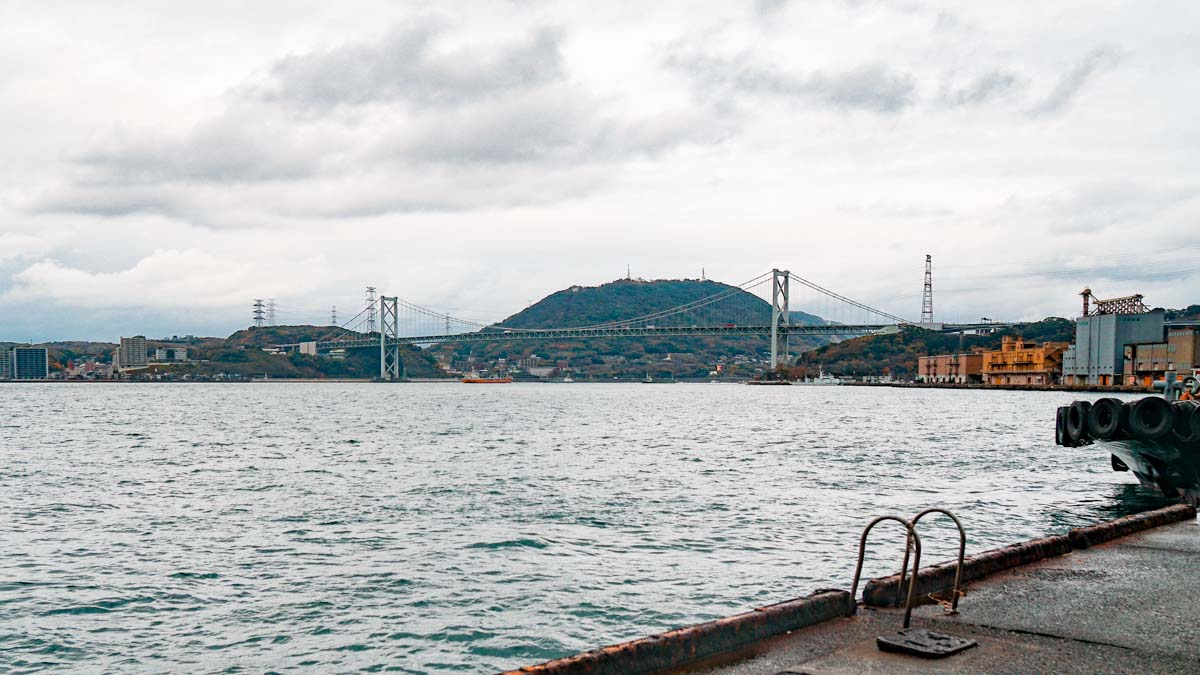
1084, 537
882, 592
677, 648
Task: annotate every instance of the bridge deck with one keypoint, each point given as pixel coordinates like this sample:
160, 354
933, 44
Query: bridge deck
513, 334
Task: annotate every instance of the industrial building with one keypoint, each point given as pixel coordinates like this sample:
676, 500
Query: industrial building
29, 363
1147, 363
1021, 362
951, 368
1102, 335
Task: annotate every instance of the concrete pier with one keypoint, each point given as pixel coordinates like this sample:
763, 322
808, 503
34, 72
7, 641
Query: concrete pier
1122, 596
1128, 605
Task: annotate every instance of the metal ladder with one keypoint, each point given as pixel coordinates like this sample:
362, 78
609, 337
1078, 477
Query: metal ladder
920, 642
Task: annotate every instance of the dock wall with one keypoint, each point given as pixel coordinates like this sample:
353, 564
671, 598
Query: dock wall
694, 643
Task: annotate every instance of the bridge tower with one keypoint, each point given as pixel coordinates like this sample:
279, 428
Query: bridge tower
391, 366
779, 310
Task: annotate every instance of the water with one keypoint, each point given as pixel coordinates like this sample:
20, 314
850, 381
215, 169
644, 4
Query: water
451, 527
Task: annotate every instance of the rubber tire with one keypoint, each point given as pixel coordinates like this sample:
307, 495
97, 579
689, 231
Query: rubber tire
1107, 418
1151, 418
1187, 421
1077, 422
1060, 426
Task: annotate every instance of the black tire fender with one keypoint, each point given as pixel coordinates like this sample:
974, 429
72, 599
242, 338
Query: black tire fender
1151, 418
1107, 418
1187, 421
1077, 422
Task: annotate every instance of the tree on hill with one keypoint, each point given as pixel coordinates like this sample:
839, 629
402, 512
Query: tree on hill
625, 300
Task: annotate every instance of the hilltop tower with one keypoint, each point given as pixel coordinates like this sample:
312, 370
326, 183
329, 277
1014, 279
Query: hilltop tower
259, 314
927, 297
372, 309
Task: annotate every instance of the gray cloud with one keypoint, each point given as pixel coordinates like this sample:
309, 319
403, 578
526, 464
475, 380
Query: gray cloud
241, 144
479, 111
987, 87
769, 7
408, 66
873, 87
1094, 207
1097, 61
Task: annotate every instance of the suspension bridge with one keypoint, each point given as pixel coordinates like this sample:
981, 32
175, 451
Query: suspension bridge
765, 306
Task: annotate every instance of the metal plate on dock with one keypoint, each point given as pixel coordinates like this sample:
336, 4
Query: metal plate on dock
924, 643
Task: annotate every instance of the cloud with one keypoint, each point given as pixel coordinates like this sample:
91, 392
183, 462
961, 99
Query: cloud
872, 87
1098, 61
987, 87
769, 7
1114, 206
410, 66
243, 143
16, 245
162, 279
439, 129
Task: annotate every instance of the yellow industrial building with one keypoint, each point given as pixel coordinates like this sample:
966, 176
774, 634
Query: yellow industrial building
1021, 362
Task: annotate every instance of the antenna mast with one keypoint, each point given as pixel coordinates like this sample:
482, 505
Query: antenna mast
372, 309
927, 297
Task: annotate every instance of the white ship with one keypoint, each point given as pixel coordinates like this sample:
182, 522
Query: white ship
823, 379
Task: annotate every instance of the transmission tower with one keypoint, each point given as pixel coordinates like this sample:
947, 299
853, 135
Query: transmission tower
259, 313
372, 309
333, 316
271, 312
927, 298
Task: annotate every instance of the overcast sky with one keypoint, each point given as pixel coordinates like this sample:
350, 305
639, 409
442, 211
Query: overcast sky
165, 163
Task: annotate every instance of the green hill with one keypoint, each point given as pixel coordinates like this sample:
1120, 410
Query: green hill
242, 355
627, 299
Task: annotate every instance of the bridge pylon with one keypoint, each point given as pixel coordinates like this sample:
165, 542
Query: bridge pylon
779, 310
391, 365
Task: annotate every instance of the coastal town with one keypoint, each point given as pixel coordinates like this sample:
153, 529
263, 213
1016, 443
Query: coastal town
1118, 343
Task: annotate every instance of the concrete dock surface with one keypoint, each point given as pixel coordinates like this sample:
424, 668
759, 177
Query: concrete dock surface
1129, 605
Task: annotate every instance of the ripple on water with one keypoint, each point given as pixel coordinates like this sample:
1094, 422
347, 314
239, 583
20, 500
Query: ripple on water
425, 528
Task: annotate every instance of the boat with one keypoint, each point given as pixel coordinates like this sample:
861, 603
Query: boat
651, 380
1155, 438
823, 379
475, 378
568, 379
